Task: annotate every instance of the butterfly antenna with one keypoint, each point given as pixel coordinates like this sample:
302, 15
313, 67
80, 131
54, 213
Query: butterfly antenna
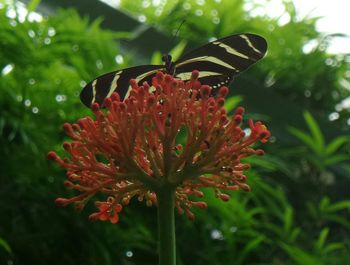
178, 29
177, 32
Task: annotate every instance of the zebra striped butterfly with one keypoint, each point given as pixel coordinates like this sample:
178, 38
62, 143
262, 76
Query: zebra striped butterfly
218, 62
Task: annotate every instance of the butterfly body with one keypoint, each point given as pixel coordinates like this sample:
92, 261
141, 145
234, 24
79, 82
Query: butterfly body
218, 62
168, 64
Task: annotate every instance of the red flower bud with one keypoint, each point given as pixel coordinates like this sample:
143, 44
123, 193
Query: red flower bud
223, 91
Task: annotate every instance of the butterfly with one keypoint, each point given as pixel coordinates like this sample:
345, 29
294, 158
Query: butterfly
218, 62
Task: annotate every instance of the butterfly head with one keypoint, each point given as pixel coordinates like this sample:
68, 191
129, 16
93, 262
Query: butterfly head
166, 58
168, 63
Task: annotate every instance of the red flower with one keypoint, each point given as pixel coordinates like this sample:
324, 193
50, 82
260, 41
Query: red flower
179, 134
107, 211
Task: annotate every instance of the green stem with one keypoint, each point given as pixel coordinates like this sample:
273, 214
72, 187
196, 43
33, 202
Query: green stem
166, 226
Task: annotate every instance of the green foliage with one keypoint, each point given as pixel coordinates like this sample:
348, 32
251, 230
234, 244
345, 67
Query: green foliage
322, 155
292, 216
4, 245
50, 60
43, 64
257, 227
326, 212
322, 252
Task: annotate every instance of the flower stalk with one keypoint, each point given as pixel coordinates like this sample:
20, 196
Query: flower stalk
166, 226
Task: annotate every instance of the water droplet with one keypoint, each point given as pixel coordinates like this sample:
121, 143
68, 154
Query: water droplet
329, 61
142, 18
13, 23
47, 41
129, 254
338, 107
247, 131
31, 33
307, 93
51, 32
31, 81
99, 64
233, 229
119, 59
216, 20
7, 69
27, 103
198, 12
270, 80
272, 139
187, 6
200, 2
59, 98
35, 110
146, 3
82, 83
75, 48
51, 179
216, 234
333, 116
158, 11
270, 27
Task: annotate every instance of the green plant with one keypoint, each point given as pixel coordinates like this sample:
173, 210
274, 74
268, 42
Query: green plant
322, 253
326, 212
322, 155
5, 246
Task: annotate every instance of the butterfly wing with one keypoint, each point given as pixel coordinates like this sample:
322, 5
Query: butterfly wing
219, 61
117, 81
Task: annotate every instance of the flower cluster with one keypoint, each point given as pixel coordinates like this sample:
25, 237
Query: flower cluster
174, 133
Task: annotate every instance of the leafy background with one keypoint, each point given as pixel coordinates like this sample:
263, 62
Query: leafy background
298, 210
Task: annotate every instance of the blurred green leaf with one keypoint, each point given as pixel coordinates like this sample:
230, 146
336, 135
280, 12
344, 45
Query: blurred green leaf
320, 243
301, 257
232, 102
304, 137
337, 142
32, 5
335, 159
178, 50
248, 248
156, 58
5, 245
315, 131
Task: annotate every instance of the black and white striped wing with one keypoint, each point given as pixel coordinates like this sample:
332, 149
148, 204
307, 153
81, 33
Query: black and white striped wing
118, 81
219, 61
